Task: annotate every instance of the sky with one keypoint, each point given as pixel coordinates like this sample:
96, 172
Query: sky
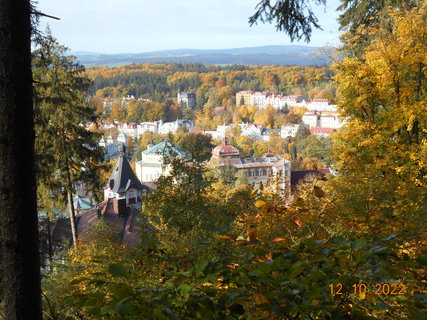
133, 26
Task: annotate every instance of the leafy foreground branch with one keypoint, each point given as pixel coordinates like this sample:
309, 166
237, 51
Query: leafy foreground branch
255, 281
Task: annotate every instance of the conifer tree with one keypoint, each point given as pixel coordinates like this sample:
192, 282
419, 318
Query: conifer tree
66, 152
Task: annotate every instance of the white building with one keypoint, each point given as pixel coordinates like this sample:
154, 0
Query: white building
266, 134
146, 126
172, 127
321, 105
262, 99
289, 130
152, 164
330, 120
312, 119
122, 138
110, 139
322, 120
252, 130
102, 142
215, 134
220, 132
187, 99
111, 147
128, 129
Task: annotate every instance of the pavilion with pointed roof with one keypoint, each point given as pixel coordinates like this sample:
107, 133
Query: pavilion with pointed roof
123, 183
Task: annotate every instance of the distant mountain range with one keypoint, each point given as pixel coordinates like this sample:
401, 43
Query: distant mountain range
265, 55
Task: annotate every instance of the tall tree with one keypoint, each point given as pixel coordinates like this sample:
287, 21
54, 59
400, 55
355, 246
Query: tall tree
66, 151
18, 207
383, 147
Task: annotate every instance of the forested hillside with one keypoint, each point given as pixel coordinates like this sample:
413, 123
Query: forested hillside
162, 81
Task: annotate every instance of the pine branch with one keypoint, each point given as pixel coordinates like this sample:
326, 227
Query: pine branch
38, 13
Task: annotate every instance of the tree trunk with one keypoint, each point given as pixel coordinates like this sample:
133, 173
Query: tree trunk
18, 207
72, 217
69, 188
49, 239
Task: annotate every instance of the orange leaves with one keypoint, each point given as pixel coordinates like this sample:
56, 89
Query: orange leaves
297, 222
222, 237
349, 225
232, 266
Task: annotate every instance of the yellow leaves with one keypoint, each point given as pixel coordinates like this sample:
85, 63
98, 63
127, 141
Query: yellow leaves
260, 203
399, 170
260, 298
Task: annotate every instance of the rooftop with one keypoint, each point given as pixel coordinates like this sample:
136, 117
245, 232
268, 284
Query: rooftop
123, 177
166, 147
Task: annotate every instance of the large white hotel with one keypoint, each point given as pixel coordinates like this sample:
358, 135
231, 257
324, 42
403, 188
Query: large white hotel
262, 99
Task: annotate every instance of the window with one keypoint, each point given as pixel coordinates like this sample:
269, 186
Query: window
264, 172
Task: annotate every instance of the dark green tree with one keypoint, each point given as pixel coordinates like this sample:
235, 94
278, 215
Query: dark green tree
294, 152
294, 17
198, 144
66, 152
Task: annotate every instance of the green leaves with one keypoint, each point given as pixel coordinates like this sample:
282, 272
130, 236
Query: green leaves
117, 270
358, 244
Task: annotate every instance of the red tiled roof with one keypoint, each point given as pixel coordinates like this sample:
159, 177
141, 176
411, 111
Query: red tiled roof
225, 150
